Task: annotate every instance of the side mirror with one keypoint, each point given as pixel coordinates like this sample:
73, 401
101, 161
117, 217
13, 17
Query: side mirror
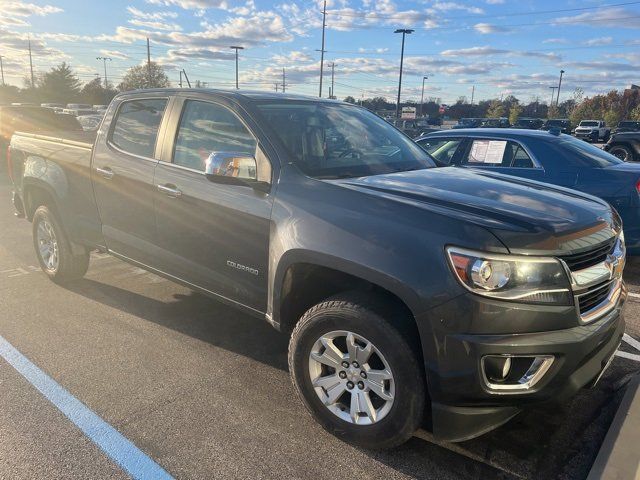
234, 168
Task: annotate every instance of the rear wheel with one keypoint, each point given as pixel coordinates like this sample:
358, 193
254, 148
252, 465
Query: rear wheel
53, 249
356, 373
622, 152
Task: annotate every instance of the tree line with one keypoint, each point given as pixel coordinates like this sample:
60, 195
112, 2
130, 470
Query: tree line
611, 107
61, 85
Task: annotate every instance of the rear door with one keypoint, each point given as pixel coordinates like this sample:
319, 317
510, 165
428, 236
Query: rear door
213, 235
508, 157
122, 171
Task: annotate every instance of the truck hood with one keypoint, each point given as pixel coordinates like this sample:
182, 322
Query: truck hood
527, 216
586, 129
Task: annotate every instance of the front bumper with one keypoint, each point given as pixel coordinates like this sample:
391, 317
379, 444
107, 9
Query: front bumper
587, 135
463, 406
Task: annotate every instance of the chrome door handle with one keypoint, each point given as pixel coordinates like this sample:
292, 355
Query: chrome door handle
170, 191
105, 172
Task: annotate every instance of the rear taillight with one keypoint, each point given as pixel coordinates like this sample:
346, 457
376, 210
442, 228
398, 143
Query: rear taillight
638, 185
9, 163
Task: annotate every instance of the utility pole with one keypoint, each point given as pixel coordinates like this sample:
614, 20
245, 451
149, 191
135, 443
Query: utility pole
324, 24
186, 78
104, 61
559, 85
149, 62
333, 77
422, 95
2, 70
284, 82
277, 85
473, 91
180, 83
236, 49
553, 91
403, 31
31, 65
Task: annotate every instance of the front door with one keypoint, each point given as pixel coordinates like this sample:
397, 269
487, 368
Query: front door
215, 236
122, 173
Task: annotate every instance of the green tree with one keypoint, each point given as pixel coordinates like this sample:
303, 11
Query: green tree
514, 112
612, 117
635, 113
59, 85
94, 92
496, 109
143, 76
350, 99
9, 94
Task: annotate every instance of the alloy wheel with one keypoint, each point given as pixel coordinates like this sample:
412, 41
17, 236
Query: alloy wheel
48, 245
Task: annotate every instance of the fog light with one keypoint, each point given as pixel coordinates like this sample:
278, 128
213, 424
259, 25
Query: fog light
497, 368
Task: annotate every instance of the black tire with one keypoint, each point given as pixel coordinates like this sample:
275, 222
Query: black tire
69, 266
363, 316
622, 152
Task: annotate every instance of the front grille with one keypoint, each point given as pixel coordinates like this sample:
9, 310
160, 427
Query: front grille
594, 297
591, 257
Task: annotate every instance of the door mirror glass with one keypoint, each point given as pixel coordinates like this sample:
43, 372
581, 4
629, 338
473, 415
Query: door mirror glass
239, 165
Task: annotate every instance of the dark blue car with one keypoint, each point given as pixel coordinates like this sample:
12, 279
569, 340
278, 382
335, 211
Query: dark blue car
549, 157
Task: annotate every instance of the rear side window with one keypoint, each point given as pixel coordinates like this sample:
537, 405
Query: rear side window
498, 153
136, 125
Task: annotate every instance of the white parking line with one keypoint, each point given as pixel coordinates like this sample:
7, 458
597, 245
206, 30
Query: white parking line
634, 343
634, 295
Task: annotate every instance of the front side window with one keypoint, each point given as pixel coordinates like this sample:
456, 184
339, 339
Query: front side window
340, 141
442, 149
135, 128
206, 129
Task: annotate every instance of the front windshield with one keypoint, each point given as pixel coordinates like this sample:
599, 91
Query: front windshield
629, 125
341, 141
587, 155
556, 123
588, 124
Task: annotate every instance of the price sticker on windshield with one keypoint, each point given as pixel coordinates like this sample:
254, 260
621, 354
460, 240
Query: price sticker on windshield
487, 151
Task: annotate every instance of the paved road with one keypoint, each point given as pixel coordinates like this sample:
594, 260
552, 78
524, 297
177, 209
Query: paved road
204, 391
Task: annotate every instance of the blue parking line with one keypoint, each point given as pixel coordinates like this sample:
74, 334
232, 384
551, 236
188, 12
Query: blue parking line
133, 460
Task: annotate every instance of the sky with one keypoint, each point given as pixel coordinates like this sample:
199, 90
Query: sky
491, 47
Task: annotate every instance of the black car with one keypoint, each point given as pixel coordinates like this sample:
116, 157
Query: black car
529, 123
404, 289
468, 123
627, 126
495, 123
561, 124
625, 146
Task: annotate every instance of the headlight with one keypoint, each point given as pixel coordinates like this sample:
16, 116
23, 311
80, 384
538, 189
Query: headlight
511, 277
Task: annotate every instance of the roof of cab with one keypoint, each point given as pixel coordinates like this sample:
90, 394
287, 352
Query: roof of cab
240, 95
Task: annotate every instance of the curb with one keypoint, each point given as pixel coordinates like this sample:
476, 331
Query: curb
619, 455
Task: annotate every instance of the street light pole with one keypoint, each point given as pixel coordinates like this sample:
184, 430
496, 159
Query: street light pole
104, 61
236, 49
559, 85
324, 24
422, 95
403, 31
553, 92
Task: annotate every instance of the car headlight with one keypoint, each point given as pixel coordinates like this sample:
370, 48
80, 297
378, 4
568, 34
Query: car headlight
511, 277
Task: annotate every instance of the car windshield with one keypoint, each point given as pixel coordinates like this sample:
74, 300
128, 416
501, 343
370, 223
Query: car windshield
556, 123
629, 125
341, 141
588, 155
588, 124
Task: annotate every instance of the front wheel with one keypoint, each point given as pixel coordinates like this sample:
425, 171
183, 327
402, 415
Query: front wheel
356, 373
53, 249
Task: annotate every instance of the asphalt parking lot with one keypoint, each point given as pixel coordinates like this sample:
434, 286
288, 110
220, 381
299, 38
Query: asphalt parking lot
204, 391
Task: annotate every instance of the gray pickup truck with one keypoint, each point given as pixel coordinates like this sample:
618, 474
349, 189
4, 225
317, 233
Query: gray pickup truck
414, 296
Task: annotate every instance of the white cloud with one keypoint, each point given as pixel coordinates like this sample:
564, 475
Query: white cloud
486, 28
151, 15
599, 41
192, 4
495, 2
155, 24
609, 17
452, 6
555, 40
21, 9
114, 54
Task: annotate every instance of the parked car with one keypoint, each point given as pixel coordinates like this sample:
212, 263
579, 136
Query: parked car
53, 105
79, 106
406, 287
495, 123
561, 124
77, 112
90, 122
625, 146
592, 131
99, 108
529, 123
468, 123
547, 157
627, 126
412, 128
